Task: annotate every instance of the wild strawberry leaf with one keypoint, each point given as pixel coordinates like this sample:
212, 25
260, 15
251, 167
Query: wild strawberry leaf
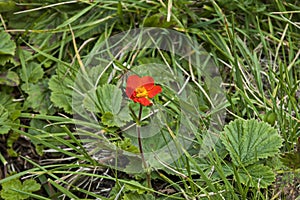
247, 141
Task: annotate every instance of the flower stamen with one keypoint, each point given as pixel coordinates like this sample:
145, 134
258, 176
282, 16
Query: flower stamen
141, 92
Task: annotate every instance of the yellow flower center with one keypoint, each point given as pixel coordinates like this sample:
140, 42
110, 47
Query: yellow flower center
141, 92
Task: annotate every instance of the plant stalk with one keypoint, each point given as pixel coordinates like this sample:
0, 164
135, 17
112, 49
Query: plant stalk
148, 175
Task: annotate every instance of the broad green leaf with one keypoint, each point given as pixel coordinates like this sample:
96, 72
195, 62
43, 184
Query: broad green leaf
10, 189
247, 141
257, 175
32, 73
61, 94
6, 58
9, 78
107, 100
110, 98
39, 97
7, 46
31, 185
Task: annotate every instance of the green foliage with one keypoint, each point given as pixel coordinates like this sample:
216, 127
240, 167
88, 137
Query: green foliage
248, 142
126, 145
60, 84
131, 190
16, 190
9, 78
9, 113
7, 48
107, 100
4, 120
39, 97
292, 158
256, 175
255, 44
32, 72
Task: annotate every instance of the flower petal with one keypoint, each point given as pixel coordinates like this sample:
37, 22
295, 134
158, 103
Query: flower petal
135, 81
144, 101
154, 91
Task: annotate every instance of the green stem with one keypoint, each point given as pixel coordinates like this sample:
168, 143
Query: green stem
148, 176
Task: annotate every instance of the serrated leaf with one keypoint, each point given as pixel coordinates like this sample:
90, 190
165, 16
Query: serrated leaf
118, 119
5, 59
61, 94
39, 97
31, 185
110, 98
32, 73
10, 189
107, 100
9, 78
257, 176
248, 141
7, 46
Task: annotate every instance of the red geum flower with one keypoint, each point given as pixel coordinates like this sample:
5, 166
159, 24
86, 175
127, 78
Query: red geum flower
141, 90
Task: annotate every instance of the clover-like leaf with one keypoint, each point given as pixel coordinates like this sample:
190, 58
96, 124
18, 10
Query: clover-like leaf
247, 141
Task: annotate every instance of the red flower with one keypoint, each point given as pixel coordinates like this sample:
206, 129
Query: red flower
140, 90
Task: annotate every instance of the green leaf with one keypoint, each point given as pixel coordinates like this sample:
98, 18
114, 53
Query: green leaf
39, 97
4, 128
127, 146
31, 185
7, 46
118, 119
107, 100
9, 78
259, 176
32, 73
134, 195
10, 189
110, 98
248, 141
61, 95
